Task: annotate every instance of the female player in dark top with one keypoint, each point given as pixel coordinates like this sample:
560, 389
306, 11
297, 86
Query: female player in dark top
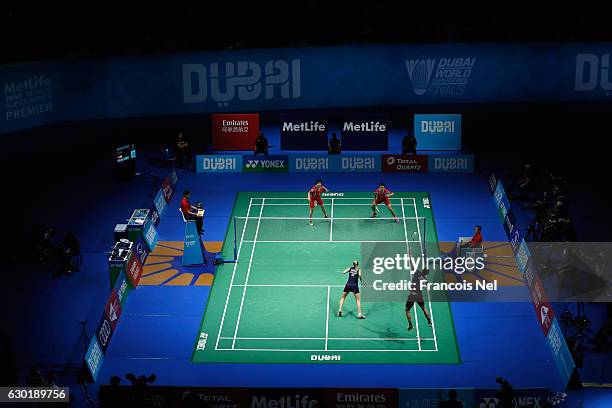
416, 295
381, 195
314, 196
352, 285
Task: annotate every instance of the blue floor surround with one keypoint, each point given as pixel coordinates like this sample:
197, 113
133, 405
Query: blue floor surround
158, 328
501, 339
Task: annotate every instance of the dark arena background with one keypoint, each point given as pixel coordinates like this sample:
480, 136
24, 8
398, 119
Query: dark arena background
185, 185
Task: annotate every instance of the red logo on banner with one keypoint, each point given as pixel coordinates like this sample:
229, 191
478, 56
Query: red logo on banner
113, 309
134, 270
234, 131
395, 163
543, 309
167, 189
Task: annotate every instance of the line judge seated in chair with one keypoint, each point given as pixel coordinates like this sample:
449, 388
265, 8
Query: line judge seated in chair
191, 213
474, 243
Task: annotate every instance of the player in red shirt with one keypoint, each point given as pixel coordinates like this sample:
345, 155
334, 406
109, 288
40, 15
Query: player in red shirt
314, 196
381, 195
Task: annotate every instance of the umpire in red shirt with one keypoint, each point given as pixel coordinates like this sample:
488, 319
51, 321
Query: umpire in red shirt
190, 212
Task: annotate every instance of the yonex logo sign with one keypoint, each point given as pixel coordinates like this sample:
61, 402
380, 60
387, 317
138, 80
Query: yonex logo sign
390, 160
266, 164
446, 76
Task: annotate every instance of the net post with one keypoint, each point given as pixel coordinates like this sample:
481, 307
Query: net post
235, 248
424, 235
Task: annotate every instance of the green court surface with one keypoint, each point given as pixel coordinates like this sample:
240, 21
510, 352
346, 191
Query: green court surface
278, 303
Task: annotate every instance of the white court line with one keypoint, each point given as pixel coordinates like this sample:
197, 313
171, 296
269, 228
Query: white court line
327, 319
326, 351
416, 312
329, 338
322, 218
431, 316
319, 241
246, 283
331, 222
337, 198
294, 286
233, 274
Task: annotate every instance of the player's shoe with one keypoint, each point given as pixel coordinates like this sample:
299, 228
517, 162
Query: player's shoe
410, 326
310, 223
429, 323
373, 215
396, 220
361, 317
340, 313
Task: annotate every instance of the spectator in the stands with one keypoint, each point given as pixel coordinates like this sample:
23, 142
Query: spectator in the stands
261, 144
183, 151
190, 212
476, 241
333, 145
409, 144
452, 401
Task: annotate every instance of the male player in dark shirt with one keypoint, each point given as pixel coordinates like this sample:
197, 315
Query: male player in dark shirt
352, 285
416, 295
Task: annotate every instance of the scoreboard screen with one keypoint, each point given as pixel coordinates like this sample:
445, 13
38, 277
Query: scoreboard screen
125, 153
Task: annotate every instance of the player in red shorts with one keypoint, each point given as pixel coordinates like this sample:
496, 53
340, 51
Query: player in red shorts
381, 195
314, 196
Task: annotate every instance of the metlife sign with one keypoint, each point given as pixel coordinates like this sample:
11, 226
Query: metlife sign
265, 164
463, 163
219, 163
438, 132
303, 132
365, 132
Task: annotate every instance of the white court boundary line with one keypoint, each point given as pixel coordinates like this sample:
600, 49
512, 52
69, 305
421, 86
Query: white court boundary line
331, 222
246, 283
244, 286
416, 314
229, 291
433, 325
331, 338
327, 320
